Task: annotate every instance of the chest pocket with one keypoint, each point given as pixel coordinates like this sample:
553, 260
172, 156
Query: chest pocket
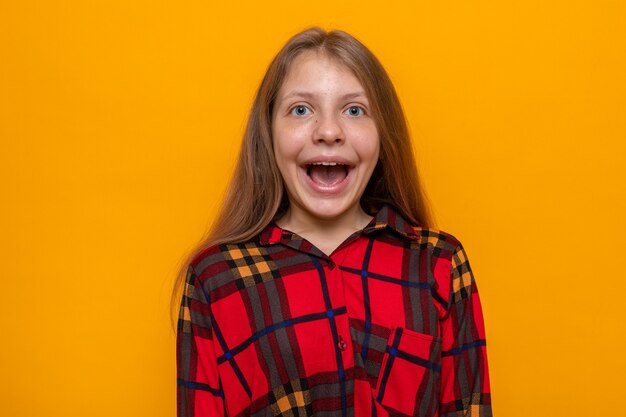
410, 374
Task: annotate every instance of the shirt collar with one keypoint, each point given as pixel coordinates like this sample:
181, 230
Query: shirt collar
389, 218
386, 218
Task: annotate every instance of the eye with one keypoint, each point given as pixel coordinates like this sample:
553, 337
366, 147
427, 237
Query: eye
300, 110
355, 111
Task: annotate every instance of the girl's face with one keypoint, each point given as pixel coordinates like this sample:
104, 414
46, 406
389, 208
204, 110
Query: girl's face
325, 141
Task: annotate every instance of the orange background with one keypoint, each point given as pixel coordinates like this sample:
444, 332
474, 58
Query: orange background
119, 126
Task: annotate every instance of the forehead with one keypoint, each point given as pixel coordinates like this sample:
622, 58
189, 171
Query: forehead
315, 70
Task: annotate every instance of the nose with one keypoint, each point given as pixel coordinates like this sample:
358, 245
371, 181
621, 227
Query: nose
328, 130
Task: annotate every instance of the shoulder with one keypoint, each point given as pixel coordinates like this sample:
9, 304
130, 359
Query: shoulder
217, 262
451, 270
444, 245
392, 222
441, 242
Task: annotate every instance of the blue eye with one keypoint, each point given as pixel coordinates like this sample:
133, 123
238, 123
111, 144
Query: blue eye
355, 111
300, 110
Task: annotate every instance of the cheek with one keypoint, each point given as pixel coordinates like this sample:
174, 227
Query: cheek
287, 146
369, 149
283, 152
285, 155
368, 142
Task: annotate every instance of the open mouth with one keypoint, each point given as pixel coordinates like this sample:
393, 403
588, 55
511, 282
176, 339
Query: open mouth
327, 174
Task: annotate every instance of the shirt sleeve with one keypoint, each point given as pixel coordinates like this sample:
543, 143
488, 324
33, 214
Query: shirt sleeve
465, 387
199, 392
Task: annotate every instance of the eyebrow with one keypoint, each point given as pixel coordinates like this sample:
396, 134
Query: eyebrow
306, 94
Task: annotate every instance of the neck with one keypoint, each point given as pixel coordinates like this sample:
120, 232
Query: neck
301, 222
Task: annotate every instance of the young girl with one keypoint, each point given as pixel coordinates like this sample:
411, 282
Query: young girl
322, 290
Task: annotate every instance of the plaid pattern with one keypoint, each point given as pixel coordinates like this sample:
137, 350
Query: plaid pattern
389, 325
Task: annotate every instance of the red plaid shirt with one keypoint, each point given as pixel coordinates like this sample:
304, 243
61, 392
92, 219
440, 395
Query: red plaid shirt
389, 324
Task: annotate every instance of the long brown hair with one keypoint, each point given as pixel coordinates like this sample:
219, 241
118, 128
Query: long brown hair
256, 195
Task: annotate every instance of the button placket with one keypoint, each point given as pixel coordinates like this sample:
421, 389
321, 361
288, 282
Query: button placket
340, 296
342, 343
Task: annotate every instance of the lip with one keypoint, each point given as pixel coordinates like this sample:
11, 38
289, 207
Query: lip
335, 188
330, 158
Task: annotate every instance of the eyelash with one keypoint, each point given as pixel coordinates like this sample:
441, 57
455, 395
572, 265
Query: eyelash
293, 110
361, 109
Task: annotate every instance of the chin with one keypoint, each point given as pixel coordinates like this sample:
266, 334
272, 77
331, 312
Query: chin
328, 210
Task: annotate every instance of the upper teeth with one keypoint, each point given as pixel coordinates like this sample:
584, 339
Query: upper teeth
326, 163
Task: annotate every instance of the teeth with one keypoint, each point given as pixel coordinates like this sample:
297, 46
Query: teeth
332, 164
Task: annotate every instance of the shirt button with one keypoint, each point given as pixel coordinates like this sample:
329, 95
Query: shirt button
342, 344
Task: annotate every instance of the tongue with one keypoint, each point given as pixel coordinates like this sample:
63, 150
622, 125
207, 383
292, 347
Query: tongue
327, 175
